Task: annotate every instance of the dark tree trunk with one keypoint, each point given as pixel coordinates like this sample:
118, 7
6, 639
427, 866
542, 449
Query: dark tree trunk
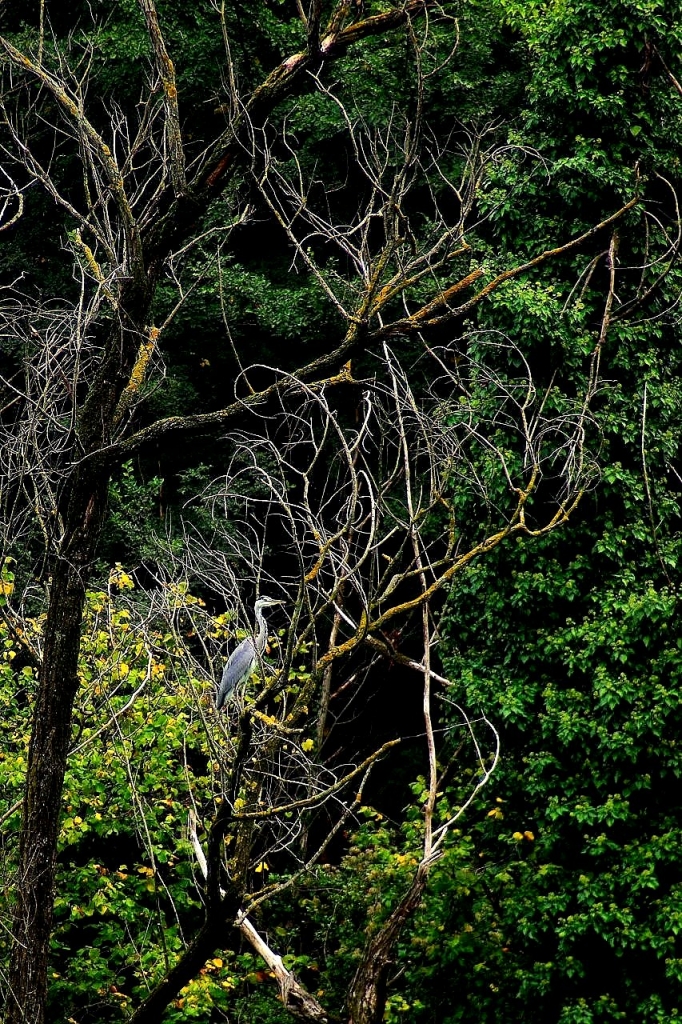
83, 511
48, 752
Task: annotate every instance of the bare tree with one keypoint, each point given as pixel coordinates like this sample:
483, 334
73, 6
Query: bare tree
367, 525
363, 558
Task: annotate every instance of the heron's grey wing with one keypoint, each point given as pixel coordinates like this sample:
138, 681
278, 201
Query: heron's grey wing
238, 668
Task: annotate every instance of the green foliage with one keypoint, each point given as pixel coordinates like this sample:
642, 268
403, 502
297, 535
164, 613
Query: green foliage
572, 647
592, 714
134, 512
128, 892
588, 64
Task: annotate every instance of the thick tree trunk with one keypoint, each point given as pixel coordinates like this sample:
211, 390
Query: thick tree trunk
47, 757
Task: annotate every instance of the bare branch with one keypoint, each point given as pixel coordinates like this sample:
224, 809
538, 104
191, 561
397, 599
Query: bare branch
166, 72
74, 112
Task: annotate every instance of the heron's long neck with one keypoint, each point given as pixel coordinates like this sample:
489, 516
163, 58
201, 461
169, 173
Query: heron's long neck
262, 634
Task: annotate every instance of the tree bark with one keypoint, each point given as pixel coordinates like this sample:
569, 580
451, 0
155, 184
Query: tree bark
367, 995
48, 751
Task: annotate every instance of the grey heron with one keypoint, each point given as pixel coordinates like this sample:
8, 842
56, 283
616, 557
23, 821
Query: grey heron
242, 661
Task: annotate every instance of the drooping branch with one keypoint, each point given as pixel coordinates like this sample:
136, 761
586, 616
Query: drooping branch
317, 798
295, 998
172, 429
11, 202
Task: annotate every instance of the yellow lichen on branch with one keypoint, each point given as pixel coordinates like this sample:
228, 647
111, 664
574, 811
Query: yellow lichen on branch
137, 376
94, 267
